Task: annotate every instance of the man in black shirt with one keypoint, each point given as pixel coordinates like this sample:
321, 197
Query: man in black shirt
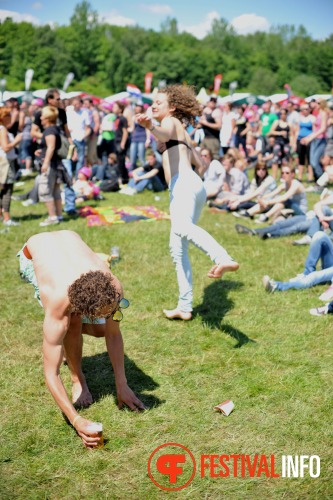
121, 139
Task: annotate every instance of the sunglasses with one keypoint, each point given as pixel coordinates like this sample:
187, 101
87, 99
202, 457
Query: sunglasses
285, 173
261, 168
204, 156
117, 315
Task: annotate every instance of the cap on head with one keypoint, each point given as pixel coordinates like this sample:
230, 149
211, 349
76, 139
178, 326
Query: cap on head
86, 171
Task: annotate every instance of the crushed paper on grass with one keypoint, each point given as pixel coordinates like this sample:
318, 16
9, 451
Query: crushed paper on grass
103, 216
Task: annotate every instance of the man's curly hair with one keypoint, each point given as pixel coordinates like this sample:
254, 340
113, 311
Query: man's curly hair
91, 292
182, 97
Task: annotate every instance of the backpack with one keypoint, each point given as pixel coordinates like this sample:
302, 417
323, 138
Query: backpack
64, 147
109, 185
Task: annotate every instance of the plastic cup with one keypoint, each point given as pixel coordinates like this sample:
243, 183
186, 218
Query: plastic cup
97, 428
226, 407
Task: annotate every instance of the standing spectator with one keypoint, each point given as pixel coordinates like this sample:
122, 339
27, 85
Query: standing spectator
13, 105
211, 122
329, 132
266, 120
280, 130
106, 142
140, 140
318, 139
7, 161
80, 130
242, 127
95, 123
121, 139
228, 127
52, 98
49, 185
26, 145
304, 128
292, 119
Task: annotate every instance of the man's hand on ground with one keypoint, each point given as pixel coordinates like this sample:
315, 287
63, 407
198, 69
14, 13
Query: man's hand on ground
126, 396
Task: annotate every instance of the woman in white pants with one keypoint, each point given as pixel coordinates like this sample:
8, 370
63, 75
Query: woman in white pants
174, 107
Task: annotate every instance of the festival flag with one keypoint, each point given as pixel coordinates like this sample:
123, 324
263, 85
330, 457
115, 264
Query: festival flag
28, 78
133, 90
217, 83
288, 89
148, 81
67, 81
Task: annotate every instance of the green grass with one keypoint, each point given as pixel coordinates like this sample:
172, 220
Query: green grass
265, 352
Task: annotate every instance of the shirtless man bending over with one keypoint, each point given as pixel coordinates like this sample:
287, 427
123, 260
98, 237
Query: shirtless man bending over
79, 295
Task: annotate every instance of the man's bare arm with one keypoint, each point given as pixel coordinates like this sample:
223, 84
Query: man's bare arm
115, 347
54, 332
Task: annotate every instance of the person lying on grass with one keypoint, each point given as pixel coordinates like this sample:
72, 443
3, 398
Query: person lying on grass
321, 248
79, 295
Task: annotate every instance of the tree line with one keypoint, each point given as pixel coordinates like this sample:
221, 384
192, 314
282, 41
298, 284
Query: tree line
104, 58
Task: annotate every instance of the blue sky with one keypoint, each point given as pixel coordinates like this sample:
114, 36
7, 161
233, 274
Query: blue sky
194, 16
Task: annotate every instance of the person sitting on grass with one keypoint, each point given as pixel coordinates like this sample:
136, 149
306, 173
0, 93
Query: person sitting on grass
290, 194
213, 178
321, 248
318, 219
84, 188
149, 176
235, 184
261, 184
79, 295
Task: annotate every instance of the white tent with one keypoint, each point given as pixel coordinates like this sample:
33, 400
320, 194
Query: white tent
277, 97
16, 94
326, 97
117, 97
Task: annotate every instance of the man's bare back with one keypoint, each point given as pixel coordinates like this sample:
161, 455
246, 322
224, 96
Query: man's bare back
61, 258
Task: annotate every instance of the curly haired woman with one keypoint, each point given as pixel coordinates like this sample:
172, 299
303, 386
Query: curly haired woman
174, 107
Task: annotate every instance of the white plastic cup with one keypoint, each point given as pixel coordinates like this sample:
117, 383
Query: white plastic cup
226, 407
97, 428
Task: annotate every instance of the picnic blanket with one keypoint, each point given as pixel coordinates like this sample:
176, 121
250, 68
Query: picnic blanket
103, 216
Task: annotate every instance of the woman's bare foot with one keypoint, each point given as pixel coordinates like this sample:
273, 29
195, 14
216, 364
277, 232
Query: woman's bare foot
177, 314
81, 396
218, 270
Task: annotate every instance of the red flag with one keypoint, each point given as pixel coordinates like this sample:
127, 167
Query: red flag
217, 83
148, 81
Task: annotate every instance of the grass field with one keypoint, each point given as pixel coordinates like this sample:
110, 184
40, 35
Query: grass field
265, 352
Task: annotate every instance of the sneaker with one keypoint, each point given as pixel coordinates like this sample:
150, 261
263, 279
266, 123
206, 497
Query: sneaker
269, 284
262, 218
236, 214
264, 236
25, 172
10, 222
319, 311
49, 222
306, 240
328, 295
60, 218
28, 202
244, 230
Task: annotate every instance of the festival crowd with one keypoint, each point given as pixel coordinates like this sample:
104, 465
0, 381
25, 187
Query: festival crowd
260, 163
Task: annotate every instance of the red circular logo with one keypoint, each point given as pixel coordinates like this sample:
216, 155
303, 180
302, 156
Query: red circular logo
171, 468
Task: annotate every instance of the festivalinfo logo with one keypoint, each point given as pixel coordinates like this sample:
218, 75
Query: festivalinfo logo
172, 466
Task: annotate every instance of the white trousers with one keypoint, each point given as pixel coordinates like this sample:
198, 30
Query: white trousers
187, 199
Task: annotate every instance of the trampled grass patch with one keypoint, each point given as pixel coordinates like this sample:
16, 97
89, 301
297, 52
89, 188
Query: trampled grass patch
265, 352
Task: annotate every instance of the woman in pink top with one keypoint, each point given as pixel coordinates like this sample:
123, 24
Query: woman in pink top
318, 139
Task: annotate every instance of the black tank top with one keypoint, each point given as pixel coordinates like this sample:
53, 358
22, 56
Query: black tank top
163, 146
